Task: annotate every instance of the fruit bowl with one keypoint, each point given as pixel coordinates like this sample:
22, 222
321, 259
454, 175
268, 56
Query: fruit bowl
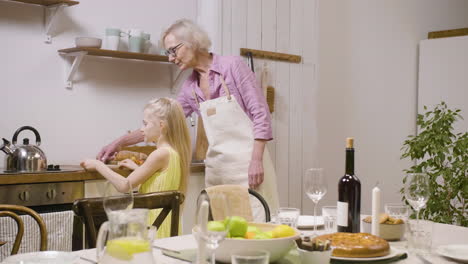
277, 247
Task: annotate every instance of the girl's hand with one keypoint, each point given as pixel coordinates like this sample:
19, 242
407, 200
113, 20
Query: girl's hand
255, 173
128, 163
90, 164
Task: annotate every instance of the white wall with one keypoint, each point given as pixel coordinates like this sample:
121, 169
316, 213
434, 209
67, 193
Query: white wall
108, 94
368, 65
286, 26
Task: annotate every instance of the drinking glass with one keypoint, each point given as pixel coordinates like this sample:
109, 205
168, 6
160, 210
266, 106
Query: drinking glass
329, 218
250, 257
115, 200
316, 188
397, 210
288, 216
219, 208
417, 191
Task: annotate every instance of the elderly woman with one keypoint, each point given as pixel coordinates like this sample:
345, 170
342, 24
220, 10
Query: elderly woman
225, 93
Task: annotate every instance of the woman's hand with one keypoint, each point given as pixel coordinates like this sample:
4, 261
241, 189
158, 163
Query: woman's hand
128, 163
108, 152
255, 173
90, 164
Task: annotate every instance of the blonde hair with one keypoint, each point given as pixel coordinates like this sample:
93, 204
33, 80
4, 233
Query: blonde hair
189, 33
170, 111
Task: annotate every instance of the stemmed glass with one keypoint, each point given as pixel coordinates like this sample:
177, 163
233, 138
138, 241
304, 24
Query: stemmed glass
316, 188
417, 191
210, 233
114, 200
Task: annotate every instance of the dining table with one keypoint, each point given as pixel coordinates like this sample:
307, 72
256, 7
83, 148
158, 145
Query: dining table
442, 234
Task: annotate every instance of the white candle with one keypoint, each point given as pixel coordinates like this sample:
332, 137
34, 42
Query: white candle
375, 211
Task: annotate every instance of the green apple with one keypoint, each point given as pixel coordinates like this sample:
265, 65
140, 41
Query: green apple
216, 226
237, 226
253, 229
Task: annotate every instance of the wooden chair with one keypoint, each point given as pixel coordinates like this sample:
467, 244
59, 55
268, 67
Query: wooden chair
12, 211
91, 211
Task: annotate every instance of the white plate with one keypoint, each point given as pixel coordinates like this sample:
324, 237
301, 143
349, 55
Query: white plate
307, 221
393, 253
456, 252
42, 257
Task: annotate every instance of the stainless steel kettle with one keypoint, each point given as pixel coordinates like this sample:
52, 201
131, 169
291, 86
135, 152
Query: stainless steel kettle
26, 157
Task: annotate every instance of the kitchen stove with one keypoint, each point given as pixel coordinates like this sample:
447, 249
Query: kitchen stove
50, 169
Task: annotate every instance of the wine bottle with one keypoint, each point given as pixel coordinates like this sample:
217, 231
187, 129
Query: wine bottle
349, 195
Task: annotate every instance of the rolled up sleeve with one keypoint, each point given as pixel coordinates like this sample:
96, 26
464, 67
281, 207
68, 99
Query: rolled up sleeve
254, 99
183, 98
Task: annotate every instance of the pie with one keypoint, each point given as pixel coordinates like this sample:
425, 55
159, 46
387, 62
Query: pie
356, 245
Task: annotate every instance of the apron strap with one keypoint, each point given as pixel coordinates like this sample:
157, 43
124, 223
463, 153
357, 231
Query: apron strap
226, 90
225, 87
195, 97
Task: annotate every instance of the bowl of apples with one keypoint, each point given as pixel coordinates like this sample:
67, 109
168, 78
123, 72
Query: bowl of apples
276, 239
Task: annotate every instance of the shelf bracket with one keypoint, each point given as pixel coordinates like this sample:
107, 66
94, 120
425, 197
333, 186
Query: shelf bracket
72, 67
50, 17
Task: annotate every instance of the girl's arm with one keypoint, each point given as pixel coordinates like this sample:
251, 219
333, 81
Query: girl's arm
156, 161
131, 138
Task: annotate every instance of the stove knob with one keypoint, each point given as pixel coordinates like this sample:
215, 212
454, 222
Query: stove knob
24, 196
51, 194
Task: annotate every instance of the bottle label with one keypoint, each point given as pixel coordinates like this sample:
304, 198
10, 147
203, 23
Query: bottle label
342, 214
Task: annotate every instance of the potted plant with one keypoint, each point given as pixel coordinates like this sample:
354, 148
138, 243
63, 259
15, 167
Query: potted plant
443, 155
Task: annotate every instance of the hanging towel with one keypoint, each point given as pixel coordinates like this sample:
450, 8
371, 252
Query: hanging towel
59, 228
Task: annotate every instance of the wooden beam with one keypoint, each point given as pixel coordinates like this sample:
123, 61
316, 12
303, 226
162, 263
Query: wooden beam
448, 33
271, 55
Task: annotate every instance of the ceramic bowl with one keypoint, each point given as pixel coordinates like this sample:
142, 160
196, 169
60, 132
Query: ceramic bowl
277, 247
387, 231
314, 256
88, 42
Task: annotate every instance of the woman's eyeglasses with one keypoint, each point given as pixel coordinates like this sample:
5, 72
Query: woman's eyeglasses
172, 51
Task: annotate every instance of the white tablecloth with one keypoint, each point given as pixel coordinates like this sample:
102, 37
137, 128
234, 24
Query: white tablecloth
442, 235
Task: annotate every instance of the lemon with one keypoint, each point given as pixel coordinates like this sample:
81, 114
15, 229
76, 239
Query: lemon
124, 248
283, 231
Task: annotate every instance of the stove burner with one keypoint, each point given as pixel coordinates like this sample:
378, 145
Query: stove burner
52, 167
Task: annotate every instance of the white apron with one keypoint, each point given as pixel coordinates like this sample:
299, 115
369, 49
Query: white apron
229, 132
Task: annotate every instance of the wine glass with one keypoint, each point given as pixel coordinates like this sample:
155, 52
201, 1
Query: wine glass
316, 188
209, 233
417, 191
115, 200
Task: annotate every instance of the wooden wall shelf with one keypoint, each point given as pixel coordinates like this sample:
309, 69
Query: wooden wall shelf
116, 54
78, 54
52, 9
47, 2
448, 33
262, 54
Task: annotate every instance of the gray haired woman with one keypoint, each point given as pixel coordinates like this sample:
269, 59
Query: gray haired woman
225, 93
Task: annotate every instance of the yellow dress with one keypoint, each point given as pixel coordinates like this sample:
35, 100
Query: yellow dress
166, 180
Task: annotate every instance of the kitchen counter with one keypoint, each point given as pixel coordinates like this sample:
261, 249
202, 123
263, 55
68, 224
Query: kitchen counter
70, 173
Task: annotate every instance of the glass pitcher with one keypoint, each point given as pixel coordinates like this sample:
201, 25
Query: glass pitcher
128, 238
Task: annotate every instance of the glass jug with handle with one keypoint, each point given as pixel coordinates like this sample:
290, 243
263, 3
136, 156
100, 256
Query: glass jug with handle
128, 238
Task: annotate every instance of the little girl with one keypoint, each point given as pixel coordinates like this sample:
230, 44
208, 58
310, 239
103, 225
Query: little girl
167, 167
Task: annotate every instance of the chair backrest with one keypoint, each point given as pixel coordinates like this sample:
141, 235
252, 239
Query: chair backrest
12, 211
234, 191
92, 213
